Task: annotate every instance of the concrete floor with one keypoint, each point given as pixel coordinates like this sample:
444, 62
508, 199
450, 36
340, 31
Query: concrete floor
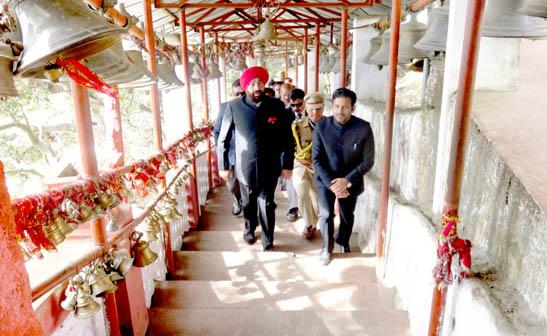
223, 286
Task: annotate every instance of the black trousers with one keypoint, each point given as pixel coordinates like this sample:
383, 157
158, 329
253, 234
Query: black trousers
346, 207
233, 185
258, 205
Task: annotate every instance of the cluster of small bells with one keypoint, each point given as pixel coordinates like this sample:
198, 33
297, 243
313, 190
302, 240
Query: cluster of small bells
100, 278
95, 281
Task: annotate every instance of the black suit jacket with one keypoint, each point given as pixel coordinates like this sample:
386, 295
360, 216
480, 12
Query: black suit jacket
263, 141
342, 151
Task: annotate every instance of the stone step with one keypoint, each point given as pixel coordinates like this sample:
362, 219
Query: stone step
273, 295
233, 241
273, 266
235, 321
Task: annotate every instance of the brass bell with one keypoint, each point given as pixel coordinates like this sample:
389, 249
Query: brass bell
115, 276
7, 85
64, 226
411, 32
112, 225
147, 79
196, 72
122, 261
534, 8
53, 233
214, 71
259, 49
150, 233
266, 31
111, 66
437, 30
375, 43
71, 291
502, 19
54, 29
86, 306
143, 255
100, 282
337, 65
239, 63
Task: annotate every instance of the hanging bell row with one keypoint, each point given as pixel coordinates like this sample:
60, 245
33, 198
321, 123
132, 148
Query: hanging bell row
7, 54
505, 18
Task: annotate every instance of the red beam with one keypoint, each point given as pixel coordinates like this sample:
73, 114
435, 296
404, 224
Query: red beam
205, 95
344, 48
278, 21
317, 50
337, 4
306, 60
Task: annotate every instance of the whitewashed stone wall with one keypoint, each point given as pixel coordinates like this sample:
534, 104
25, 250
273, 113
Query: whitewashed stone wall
507, 295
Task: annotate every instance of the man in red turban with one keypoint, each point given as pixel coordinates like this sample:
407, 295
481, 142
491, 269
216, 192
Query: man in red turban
264, 151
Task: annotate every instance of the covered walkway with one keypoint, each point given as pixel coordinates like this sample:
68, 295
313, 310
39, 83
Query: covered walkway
222, 286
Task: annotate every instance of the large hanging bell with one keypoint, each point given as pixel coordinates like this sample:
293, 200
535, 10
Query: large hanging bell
534, 8
7, 85
375, 44
86, 306
64, 226
411, 32
324, 64
142, 253
54, 29
147, 79
266, 31
196, 72
437, 30
100, 282
502, 19
151, 231
213, 70
239, 64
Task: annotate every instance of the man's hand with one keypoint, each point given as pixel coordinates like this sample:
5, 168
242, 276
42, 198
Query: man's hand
343, 194
338, 186
286, 174
225, 174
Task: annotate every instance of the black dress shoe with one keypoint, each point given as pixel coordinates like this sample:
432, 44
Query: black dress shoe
292, 215
249, 238
236, 209
345, 248
268, 247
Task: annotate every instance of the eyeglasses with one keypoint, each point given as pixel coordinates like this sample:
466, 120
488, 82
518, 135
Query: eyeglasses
295, 105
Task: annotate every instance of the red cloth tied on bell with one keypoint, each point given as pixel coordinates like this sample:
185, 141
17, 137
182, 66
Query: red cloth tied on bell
253, 72
85, 77
449, 245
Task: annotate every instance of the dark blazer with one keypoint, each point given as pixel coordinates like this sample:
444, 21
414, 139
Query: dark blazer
262, 135
342, 151
216, 133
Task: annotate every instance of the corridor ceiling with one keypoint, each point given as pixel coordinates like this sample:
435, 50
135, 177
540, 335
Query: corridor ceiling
236, 20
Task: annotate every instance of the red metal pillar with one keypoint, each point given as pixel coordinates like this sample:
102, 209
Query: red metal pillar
205, 98
344, 48
317, 51
286, 59
388, 126
214, 162
186, 69
156, 112
462, 115
296, 68
305, 60
153, 68
89, 166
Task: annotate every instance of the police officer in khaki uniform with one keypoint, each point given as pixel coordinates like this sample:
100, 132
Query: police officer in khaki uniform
303, 170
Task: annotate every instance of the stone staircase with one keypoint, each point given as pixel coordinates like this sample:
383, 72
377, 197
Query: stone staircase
223, 286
